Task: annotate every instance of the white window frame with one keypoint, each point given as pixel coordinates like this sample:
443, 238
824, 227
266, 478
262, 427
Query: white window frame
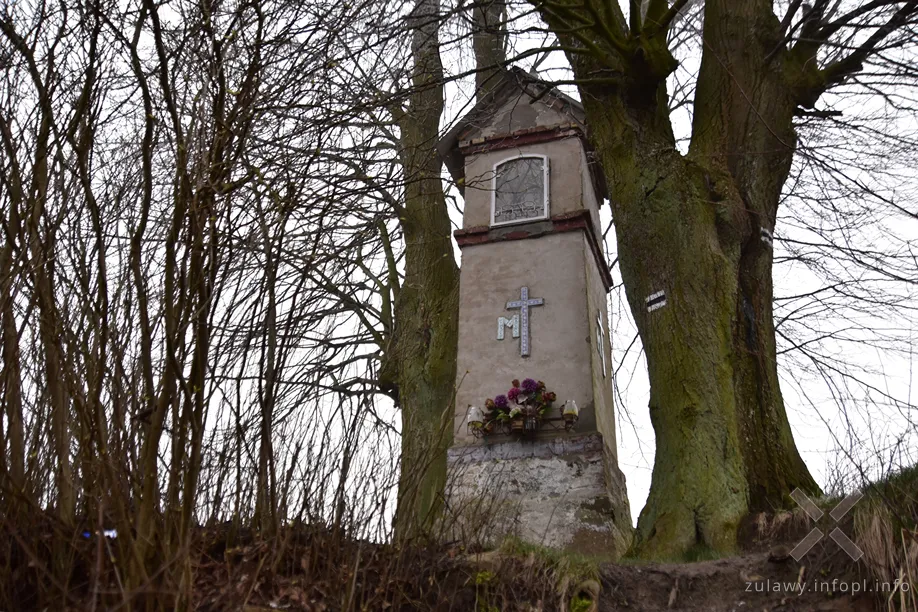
545, 186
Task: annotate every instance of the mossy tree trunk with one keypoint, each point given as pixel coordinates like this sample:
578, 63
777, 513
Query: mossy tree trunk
420, 363
692, 226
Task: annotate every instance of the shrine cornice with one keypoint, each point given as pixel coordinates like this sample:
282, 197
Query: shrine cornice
533, 135
556, 224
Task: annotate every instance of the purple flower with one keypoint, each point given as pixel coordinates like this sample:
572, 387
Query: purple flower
513, 393
530, 386
500, 401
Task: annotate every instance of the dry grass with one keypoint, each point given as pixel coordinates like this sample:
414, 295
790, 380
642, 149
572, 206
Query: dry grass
781, 525
885, 528
524, 576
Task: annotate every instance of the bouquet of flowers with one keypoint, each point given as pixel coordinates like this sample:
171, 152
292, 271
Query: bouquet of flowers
525, 402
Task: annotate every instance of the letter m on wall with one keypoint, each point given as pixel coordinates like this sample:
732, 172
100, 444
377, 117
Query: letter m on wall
503, 323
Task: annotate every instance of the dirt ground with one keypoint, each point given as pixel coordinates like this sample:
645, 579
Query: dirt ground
763, 577
737, 584
312, 569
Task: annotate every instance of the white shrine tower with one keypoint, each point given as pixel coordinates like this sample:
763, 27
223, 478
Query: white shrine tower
533, 287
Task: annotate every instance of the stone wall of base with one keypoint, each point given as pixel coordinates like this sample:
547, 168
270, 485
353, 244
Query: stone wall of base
555, 492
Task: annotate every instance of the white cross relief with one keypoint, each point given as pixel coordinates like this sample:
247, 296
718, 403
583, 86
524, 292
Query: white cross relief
600, 343
524, 304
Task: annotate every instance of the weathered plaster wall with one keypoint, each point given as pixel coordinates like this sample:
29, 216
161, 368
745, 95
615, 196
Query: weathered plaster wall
554, 269
548, 492
569, 184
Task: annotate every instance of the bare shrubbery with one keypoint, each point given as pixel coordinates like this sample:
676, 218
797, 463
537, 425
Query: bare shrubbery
190, 325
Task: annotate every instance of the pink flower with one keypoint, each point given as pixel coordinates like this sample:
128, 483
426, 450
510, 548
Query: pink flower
513, 394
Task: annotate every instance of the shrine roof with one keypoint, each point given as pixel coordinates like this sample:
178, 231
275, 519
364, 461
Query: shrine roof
519, 109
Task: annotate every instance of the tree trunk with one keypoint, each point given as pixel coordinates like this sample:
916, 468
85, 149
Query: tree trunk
489, 41
756, 148
266, 501
421, 358
691, 226
11, 384
50, 332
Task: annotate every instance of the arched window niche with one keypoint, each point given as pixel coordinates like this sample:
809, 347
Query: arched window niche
520, 191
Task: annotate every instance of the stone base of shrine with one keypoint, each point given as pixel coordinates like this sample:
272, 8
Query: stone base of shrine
565, 493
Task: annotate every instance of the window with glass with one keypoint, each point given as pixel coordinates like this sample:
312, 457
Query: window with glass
520, 190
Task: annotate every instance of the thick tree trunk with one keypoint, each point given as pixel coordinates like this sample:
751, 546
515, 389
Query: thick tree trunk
669, 241
723, 441
421, 357
690, 226
755, 147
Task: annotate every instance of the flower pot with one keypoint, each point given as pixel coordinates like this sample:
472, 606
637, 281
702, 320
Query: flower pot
517, 424
531, 423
